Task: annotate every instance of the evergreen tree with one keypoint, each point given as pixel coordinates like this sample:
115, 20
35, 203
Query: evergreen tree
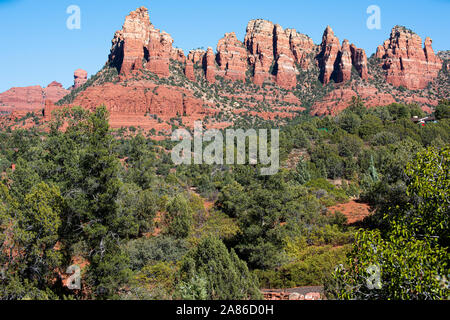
227, 277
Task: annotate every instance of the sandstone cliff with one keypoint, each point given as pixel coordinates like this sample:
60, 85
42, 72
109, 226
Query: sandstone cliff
232, 57
336, 61
80, 78
274, 52
140, 45
406, 62
149, 84
31, 99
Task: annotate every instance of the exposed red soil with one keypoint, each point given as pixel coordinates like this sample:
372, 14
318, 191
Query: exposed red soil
354, 211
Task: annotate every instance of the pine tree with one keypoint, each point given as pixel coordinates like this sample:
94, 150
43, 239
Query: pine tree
227, 277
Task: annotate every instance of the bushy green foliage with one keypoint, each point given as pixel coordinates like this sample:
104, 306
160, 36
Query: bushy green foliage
29, 234
310, 266
115, 200
227, 277
443, 110
409, 269
180, 217
428, 212
143, 252
411, 258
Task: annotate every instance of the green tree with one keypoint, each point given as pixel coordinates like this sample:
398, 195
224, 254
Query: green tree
411, 258
227, 277
428, 213
179, 217
30, 231
400, 267
303, 174
443, 110
349, 122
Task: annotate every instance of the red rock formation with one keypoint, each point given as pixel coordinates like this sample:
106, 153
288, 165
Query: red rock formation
271, 52
23, 98
49, 107
80, 78
275, 52
196, 56
259, 43
141, 98
128, 45
189, 71
344, 71
336, 61
31, 99
177, 54
54, 84
139, 44
339, 99
159, 52
285, 69
406, 63
209, 64
359, 60
302, 47
330, 48
54, 92
232, 57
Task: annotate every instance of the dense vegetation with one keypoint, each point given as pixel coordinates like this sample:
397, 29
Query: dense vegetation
115, 204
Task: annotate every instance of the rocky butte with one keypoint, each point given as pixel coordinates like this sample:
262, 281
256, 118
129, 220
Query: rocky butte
406, 62
272, 74
33, 98
232, 57
336, 61
80, 78
139, 45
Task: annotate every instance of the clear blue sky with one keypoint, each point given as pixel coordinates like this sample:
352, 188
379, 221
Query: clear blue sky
37, 48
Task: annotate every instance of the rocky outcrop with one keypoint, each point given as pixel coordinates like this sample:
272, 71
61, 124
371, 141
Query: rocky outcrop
339, 99
54, 92
31, 99
344, 68
159, 52
196, 56
129, 45
232, 57
359, 61
259, 43
189, 71
406, 62
302, 48
209, 65
139, 44
23, 98
139, 99
336, 61
330, 49
285, 69
80, 78
177, 54
269, 54
274, 52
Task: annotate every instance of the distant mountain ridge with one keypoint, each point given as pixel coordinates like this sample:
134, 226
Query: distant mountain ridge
274, 74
